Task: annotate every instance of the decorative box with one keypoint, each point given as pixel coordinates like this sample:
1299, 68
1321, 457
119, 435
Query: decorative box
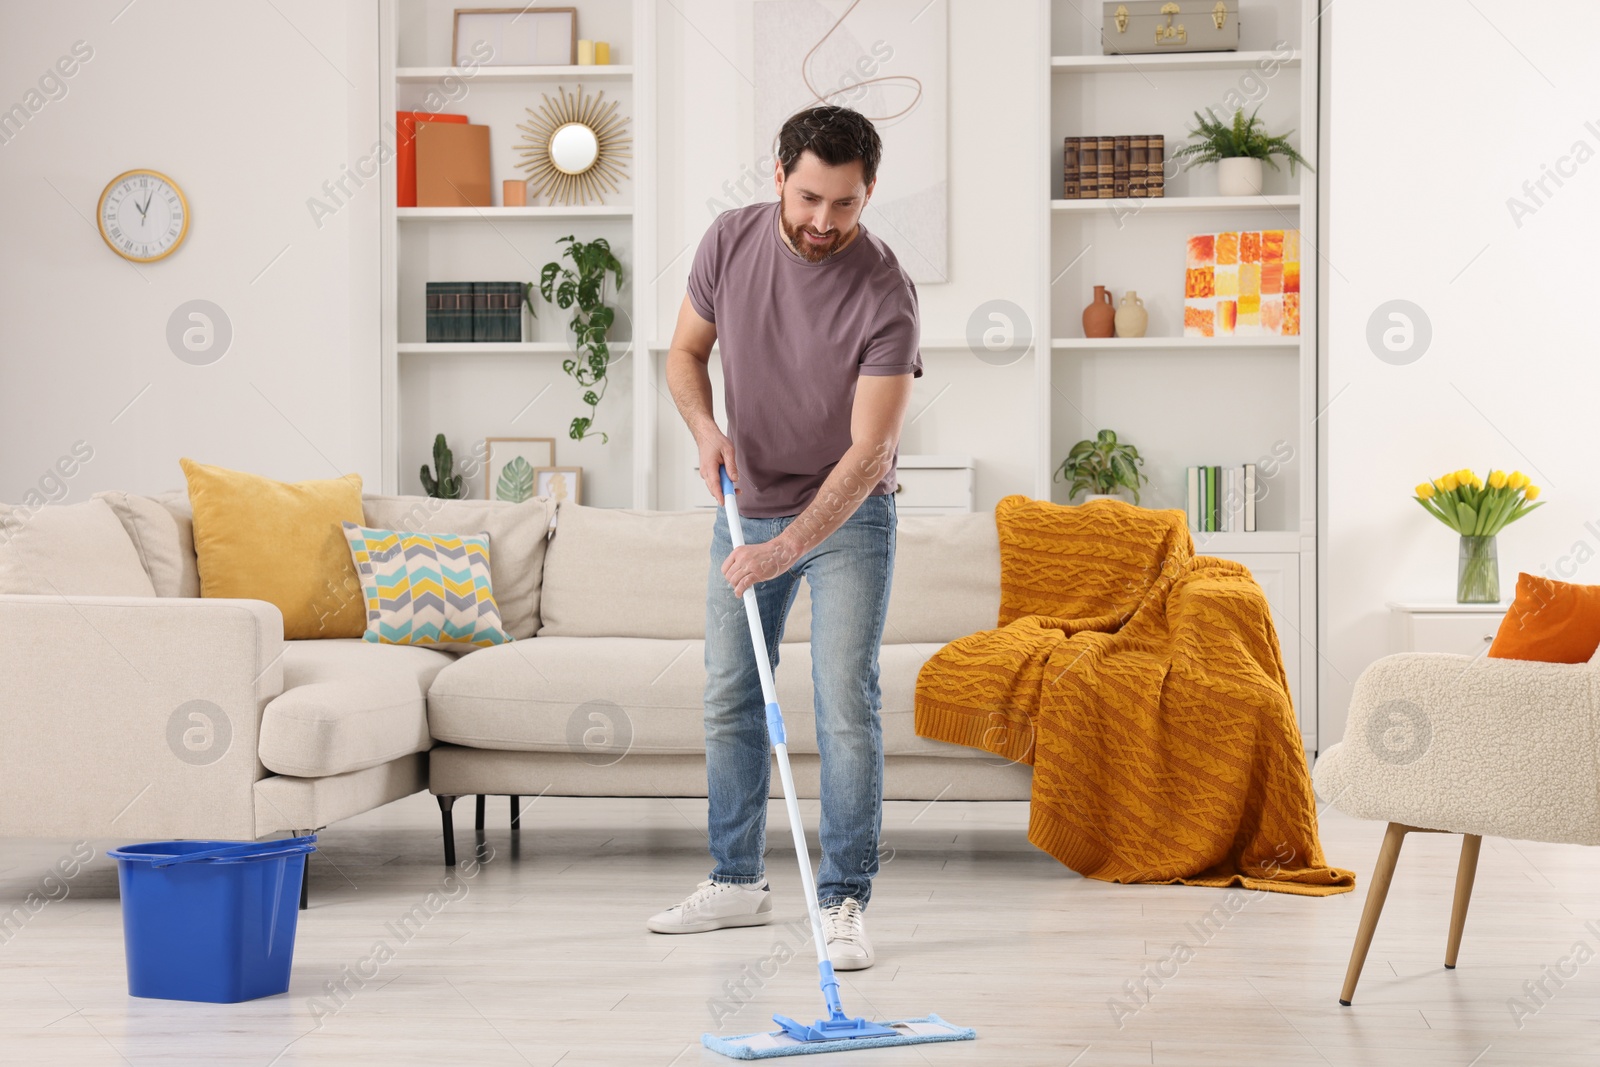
1138, 27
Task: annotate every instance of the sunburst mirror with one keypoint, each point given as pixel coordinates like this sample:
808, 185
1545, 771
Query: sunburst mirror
575, 147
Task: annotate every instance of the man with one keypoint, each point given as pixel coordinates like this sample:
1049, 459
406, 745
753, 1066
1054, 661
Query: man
818, 330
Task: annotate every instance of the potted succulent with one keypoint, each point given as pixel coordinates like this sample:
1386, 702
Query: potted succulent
446, 484
1238, 149
1101, 466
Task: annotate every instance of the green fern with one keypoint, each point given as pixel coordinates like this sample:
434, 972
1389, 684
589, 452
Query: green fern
1244, 137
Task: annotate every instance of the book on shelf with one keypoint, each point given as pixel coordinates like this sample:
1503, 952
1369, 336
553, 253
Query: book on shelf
1155, 162
474, 311
1118, 167
406, 152
1221, 499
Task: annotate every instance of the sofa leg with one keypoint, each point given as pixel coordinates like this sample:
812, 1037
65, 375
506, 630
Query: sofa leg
516, 813
478, 818
1388, 856
305, 883
445, 804
1466, 871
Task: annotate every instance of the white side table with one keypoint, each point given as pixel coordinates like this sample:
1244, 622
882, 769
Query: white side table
1465, 629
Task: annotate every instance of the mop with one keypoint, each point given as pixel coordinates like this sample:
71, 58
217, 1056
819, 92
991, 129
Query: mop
838, 1031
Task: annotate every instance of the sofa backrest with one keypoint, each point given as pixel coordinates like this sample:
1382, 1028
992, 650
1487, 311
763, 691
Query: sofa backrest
68, 550
614, 572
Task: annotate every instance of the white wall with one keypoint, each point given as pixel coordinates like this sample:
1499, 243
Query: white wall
249, 108
1439, 116
961, 405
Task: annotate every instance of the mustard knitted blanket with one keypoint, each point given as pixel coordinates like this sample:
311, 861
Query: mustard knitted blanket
1146, 687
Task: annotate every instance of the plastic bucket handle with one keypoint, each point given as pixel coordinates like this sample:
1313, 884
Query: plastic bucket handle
247, 850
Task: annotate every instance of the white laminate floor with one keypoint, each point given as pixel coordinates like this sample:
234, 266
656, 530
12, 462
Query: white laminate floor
541, 958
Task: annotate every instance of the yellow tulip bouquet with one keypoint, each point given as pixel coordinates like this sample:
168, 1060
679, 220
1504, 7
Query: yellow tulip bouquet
1477, 511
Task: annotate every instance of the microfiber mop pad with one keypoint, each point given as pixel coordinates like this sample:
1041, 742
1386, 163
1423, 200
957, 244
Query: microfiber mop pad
778, 1043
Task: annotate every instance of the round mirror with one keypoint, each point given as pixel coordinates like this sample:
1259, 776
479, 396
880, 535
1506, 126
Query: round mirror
574, 148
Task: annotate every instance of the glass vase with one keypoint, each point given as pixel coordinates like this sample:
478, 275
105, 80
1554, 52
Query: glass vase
1478, 571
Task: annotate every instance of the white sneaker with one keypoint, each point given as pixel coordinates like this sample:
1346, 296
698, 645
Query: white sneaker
845, 928
715, 905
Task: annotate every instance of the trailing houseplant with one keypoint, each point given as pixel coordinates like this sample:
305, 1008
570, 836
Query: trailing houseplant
583, 286
1478, 511
1239, 148
447, 484
1102, 465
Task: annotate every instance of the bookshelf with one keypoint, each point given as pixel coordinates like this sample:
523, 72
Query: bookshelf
1187, 401
470, 391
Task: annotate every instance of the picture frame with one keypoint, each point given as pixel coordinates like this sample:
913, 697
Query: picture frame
511, 465
517, 36
559, 483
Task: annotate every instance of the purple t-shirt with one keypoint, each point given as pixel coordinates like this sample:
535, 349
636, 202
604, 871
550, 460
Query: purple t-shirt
793, 337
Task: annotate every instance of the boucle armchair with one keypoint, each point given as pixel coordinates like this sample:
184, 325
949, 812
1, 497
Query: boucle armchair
1464, 745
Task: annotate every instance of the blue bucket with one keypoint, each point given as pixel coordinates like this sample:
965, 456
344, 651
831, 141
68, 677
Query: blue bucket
210, 920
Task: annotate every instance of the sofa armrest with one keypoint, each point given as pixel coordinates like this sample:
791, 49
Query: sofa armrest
1471, 745
133, 717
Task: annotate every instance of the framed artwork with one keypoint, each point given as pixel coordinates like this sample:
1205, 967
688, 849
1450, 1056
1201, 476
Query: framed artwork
516, 36
560, 483
508, 472
1242, 283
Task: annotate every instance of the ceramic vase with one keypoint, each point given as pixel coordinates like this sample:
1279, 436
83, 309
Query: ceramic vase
1239, 176
1099, 318
1131, 318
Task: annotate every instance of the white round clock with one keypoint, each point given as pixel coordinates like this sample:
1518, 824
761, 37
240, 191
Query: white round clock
143, 215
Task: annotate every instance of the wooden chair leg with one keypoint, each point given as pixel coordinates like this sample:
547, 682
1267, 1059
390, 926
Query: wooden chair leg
1388, 856
1466, 871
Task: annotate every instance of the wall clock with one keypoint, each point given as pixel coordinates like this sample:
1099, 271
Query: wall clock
143, 215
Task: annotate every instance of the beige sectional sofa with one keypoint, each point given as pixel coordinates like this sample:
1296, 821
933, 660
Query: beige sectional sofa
135, 709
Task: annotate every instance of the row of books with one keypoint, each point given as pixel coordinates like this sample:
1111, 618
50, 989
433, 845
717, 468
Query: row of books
475, 311
1222, 499
1103, 168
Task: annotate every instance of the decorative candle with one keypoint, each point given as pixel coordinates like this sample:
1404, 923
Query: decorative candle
515, 193
602, 53
585, 53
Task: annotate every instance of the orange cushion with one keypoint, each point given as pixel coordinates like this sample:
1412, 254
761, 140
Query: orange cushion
1550, 621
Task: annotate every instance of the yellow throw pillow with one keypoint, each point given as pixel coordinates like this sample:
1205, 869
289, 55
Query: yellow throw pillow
258, 539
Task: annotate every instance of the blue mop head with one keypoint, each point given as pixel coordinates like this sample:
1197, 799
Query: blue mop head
778, 1043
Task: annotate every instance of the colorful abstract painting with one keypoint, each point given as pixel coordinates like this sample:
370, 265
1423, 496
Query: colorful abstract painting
1242, 284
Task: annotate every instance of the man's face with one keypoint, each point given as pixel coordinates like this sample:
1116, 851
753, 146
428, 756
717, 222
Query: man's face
821, 204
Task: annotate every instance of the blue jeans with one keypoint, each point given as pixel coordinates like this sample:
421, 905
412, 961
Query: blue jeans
849, 575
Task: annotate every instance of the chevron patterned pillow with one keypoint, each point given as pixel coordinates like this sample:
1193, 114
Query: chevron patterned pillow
426, 589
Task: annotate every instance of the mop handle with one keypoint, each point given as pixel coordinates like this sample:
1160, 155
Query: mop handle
769, 693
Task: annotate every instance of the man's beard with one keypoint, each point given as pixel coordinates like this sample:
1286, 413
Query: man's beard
811, 252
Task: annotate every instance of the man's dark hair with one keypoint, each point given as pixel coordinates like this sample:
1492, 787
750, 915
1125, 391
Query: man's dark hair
836, 135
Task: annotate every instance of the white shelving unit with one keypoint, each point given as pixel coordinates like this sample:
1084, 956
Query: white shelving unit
1185, 400
473, 391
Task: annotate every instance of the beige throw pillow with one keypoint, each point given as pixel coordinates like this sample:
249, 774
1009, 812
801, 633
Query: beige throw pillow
71, 550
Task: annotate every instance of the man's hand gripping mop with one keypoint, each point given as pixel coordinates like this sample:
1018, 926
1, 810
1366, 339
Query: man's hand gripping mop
838, 1031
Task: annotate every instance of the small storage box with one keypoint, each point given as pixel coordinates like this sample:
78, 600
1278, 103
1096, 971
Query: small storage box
1138, 27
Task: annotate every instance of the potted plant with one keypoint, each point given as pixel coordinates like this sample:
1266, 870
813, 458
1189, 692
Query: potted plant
1238, 149
1101, 466
1477, 512
447, 484
584, 285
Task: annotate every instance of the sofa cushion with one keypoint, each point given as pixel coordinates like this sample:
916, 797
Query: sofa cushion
602, 698
425, 589
71, 550
260, 539
946, 578
516, 543
348, 704
161, 528
617, 572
